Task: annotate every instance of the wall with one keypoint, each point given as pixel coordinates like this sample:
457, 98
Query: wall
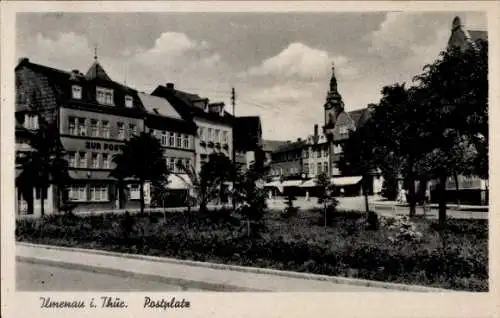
206, 150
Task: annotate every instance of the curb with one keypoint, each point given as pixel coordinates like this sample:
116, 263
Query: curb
245, 269
185, 284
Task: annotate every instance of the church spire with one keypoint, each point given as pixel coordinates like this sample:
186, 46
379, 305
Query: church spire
333, 80
334, 104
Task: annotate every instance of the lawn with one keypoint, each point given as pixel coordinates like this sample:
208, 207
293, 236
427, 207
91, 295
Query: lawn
397, 251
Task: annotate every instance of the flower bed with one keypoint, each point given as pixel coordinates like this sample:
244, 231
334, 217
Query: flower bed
346, 248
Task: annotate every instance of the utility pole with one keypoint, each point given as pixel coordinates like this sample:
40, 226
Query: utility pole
233, 102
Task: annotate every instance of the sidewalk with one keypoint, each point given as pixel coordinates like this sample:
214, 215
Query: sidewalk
454, 206
205, 276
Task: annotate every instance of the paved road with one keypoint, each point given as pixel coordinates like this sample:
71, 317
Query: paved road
39, 277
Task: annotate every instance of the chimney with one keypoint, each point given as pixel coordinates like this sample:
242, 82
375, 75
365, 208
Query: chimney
23, 59
315, 130
170, 85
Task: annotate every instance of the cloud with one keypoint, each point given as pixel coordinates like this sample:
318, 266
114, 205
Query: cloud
59, 51
301, 62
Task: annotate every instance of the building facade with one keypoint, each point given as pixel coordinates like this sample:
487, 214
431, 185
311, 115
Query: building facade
214, 124
177, 137
94, 116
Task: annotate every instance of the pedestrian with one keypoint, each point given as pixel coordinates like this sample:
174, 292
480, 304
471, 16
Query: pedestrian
403, 196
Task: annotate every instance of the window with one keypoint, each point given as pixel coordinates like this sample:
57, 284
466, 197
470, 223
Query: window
163, 138
104, 96
187, 163
172, 164
179, 164
105, 129
83, 160
185, 141
72, 125
306, 168
134, 192
77, 193
210, 137
72, 159
337, 149
105, 160
224, 137
129, 101
178, 140
171, 141
98, 193
132, 130
306, 153
95, 160
202, 134
31, 121
325, 167
76, 92
94, 130
121, 130
82, 129
217, 135
325, 152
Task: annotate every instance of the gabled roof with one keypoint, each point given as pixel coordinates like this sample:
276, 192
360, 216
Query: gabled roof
290, 146
359, 116
97, 72
271, 145
158, 106
184, 104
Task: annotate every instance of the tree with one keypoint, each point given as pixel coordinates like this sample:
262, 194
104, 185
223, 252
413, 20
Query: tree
325, 196
210, 183
141, 159
251, 196
44, 165
455, 101
358, 158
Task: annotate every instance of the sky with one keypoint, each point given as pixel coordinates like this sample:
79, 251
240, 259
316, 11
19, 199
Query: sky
279, 63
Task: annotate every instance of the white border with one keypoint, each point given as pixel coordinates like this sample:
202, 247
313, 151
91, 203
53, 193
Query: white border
397, 304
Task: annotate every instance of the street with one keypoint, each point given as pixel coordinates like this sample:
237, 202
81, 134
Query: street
40, 277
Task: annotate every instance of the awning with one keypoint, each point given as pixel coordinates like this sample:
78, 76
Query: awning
345, 181
291, 183
309, 184
178, 182
273, 184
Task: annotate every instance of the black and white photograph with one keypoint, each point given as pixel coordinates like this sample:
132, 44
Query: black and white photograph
326, 151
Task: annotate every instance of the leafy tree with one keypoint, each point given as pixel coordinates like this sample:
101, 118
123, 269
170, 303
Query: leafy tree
325, 196
141, 159
251, 197
455, 102
44, 165
210, 183
358, 158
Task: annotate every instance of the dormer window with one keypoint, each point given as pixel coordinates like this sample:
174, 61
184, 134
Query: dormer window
76, 92
129, 101
104, 96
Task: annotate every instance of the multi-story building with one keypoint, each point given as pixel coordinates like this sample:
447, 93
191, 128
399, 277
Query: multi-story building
315, 155
177, 137
214, 123
286, 168
94, 116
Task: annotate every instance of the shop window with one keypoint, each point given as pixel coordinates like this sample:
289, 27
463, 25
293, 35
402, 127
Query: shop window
105, 160
134, 193
98, 193
72, 159
77, 193
83, 160
82, 128
121, 130
31, 121
95, 160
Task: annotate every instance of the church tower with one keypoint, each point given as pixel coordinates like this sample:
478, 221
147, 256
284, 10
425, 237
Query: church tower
334, 104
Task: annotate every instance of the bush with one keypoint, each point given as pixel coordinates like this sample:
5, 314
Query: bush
463, 264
